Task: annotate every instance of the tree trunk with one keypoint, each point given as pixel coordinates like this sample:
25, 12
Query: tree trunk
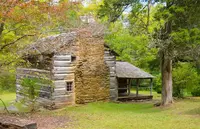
166, 70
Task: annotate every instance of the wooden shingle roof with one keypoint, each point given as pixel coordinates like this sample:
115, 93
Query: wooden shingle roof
50, 44
127, 70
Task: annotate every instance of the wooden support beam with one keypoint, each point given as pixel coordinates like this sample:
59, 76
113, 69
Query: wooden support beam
137, 87
151, 85
128, 85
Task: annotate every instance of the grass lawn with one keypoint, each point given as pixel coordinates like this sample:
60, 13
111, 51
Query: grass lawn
7, 97
183, 114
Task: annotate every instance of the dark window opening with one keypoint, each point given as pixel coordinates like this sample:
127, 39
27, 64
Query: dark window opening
69, 86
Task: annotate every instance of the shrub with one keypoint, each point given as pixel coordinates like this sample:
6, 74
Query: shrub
32, 89
196, 92
7, 81
185, 78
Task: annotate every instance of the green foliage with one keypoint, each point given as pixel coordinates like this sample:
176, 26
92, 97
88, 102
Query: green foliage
113, 9
32, 86
172, 28
157, 84
7, 81
22, 22
185, 77
196, 91
131, 48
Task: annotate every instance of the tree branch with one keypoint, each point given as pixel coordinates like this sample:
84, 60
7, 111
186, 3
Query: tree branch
11, 43
6, 63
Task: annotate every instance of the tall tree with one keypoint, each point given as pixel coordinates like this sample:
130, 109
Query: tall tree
177, 38
176, 35
20, 21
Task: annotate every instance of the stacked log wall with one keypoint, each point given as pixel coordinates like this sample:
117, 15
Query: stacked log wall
45, 93
110, 60
63, 72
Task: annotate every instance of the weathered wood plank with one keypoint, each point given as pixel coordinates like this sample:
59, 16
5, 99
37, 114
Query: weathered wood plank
20, 76
112, 74
60, 84
62, 98
63, 70
111, 63
62, 64
112, 69
113, 94
44, 101
109, 58
11, 122
68, 76
61, 91
62, 57
113, 82
28, 70
106, 53
126, 98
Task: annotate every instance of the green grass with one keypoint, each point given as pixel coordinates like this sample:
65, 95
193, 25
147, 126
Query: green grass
183, 114
7, 98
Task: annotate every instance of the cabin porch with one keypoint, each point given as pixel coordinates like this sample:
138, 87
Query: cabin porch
130, 77
126, 85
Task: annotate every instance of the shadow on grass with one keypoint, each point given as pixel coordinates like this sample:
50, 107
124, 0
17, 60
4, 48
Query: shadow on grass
195, 111
116, 107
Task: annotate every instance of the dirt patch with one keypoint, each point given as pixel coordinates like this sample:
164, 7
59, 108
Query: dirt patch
49, 122
44, 121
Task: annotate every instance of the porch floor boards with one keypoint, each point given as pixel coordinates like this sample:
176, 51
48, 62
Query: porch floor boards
132, 96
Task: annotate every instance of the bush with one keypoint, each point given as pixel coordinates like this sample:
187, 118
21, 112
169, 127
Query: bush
158, 84
185, 78
7, 81
196, 92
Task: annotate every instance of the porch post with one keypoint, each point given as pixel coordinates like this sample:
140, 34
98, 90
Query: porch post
129, 86
137, 87
151, 85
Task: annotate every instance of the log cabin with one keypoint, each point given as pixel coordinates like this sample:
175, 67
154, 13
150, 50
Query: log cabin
82, 69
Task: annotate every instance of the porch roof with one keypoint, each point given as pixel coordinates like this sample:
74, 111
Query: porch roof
127, 70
